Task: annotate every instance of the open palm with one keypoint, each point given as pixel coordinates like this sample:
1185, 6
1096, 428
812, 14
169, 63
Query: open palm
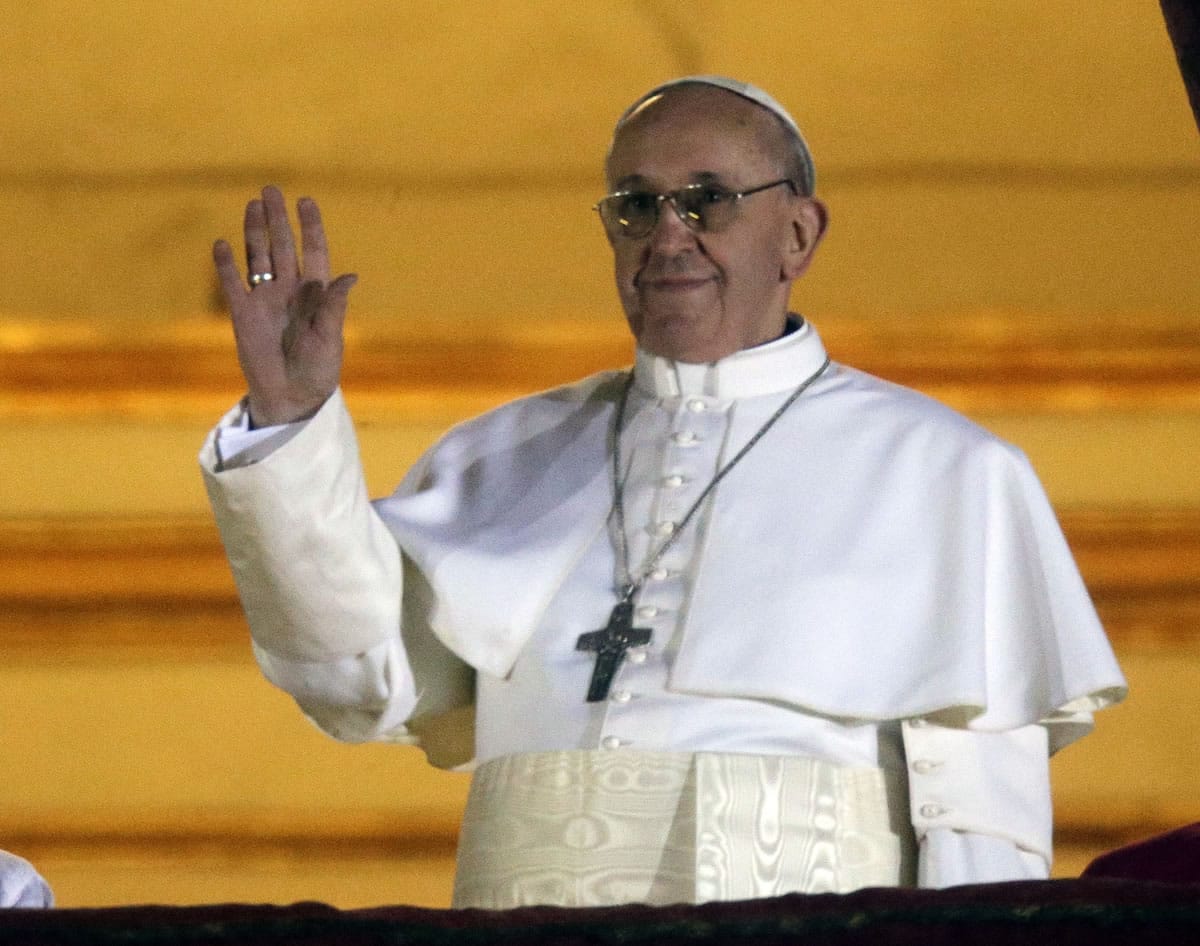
288, 327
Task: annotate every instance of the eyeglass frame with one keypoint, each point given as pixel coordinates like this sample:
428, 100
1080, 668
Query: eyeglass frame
690, 221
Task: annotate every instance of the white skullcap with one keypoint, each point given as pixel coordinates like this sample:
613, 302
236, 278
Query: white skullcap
751, 93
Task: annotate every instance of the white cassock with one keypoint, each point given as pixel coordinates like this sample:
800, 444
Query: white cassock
866, 643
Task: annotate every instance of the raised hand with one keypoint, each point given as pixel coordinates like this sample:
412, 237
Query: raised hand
288, 318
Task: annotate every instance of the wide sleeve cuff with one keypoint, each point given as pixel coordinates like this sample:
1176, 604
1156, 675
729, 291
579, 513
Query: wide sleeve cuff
994, 784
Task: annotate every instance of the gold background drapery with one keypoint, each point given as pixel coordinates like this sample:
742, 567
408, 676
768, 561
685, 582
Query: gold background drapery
1013, 187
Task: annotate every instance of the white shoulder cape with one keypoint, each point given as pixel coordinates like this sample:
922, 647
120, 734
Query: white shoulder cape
876, 557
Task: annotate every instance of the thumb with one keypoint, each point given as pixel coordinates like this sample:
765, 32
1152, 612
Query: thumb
332, 313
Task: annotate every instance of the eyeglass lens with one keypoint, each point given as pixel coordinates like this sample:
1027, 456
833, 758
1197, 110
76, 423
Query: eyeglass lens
702, 208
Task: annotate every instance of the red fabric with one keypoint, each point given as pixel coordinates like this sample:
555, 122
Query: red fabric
1173, 857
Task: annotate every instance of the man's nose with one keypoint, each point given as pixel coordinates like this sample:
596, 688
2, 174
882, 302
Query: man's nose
670, 230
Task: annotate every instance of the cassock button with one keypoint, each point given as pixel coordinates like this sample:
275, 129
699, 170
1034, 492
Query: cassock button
932, 811
696, 406
622, 696
685, 438
925, 766
610, 742
660, 574
665, 528
647, 611
636, 656
674, 481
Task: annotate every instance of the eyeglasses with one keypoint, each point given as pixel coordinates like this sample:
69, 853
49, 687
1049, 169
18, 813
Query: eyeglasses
705, 208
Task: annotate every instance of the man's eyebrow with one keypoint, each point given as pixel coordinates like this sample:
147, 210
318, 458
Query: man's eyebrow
637, 181
629, 182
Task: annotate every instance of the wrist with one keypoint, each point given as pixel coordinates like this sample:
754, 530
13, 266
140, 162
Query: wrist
261, 413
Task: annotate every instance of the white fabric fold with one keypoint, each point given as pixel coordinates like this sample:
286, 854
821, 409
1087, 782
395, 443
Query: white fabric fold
495, 516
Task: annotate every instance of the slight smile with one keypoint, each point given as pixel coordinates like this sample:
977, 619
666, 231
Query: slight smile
674, 283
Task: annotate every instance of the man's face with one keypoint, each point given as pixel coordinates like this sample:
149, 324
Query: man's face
698, 297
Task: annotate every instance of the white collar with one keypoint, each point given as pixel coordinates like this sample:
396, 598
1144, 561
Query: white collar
765, 369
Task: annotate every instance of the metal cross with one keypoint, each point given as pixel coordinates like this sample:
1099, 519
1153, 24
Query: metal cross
610, 644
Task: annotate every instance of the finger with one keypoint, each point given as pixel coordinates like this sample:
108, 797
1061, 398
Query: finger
227, 273
312, 240
258, 244
332, 316
283, 244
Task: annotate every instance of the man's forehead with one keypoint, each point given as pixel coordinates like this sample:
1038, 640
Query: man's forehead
694, 135
719, 104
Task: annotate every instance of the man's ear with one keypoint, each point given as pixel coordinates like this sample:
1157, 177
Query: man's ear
808, 225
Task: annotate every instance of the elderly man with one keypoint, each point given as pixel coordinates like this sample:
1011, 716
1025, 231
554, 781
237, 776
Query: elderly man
736, 622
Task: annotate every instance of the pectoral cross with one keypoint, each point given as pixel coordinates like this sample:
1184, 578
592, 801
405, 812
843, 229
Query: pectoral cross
610, 644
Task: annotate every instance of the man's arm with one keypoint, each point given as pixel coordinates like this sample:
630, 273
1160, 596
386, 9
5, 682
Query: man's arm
304, 544
318, 571
335, 619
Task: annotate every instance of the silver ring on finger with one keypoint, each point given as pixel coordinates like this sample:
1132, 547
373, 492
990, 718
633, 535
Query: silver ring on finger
257, 279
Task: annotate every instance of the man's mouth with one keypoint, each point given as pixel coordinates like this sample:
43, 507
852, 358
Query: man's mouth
673, 283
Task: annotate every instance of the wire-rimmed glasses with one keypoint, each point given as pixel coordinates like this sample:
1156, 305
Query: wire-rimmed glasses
705, 208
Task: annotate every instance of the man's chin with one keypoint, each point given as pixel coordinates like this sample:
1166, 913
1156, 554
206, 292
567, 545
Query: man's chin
679, 340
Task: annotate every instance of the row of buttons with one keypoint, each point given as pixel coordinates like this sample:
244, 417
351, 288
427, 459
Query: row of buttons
639, 655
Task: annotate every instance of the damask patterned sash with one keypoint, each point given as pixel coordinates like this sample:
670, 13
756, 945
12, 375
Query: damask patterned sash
587, 828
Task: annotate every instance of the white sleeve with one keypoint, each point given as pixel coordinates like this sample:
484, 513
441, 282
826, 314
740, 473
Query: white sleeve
320, 579
979, 802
